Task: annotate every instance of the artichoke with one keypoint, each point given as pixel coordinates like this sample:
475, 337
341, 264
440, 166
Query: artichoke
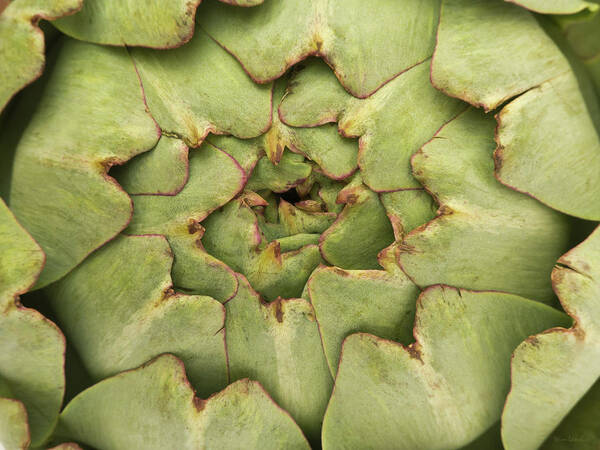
294, 224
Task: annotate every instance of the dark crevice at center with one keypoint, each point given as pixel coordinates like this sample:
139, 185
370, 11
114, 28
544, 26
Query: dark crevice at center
290, 196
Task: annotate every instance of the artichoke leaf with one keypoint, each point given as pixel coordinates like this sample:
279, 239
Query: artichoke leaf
429, 395
381, 302
119, 309
214, 179
408, 209
154, 407
367, 44
32, 348
14, 431
200, 88
486, 236
278, 344
391, 125
158, 24
359, 232
164, 170
552, 371
70, 144
548, 145
22, 42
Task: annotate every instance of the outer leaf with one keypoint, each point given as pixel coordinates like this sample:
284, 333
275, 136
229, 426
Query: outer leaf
22, 42
484, 69
381, 302
31, 347
157, 24
545, 135
32, 365
199, 88
486, 236
119, 310
278, 344
21, 258
154, 407
215, 178
392, 124
69, 144
562, 149
556, 6
387, 37
552, 371
14, 431
441, 392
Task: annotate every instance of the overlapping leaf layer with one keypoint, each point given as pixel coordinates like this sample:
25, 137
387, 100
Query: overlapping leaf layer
296, 224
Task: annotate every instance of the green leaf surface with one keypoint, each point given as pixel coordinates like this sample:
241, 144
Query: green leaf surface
91, 116
154, 407
548, 147
32, 366
199, 88
486, 69
31, 347
441, 392
246, 152
278, 344
381, 302
360, 231
408, 209
584, 36
392, 124
214, 179
119, 309
556, 6
14, 432
22, 42
157, 24
164, 170
367, 44
580, 427
545, 135
21, 258
290, 171
486, 236
552, 371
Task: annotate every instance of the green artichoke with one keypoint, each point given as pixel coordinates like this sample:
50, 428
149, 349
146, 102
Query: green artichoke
289, 224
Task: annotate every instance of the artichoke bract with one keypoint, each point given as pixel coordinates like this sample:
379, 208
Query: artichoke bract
300, 224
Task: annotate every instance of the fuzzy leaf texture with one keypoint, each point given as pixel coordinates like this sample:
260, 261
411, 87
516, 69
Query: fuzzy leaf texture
295, 224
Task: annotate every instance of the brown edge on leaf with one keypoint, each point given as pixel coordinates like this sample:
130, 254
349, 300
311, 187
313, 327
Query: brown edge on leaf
328, 174
39, 317
557, 277
301, 57
199, 140
466, 97
277, 308
34, 22
342, 273
499, 157
190, 11
23, 412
